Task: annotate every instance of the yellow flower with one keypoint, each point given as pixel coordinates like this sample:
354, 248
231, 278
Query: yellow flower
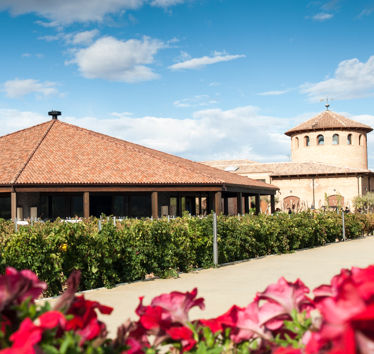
64, 247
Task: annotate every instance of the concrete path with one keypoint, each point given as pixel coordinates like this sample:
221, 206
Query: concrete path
238, 283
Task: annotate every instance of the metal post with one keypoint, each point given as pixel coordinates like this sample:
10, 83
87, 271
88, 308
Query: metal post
343, 225
114, 221
100, 227
215, 246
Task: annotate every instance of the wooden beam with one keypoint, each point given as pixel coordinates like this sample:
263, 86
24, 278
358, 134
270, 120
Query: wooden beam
239, 202
13, 205
86, 204
217, 202
117, 189
258, 210
6, 189
155, 205
272, 204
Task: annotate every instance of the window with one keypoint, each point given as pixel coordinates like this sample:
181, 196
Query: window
349, 139
306, 140
335, 139
297, 142
320, 140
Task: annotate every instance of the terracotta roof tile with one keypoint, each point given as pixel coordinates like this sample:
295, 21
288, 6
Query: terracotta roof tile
296, 168
328, 120
59, 153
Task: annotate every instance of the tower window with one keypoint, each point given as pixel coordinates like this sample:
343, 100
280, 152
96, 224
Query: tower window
320, 140
335, 139
306, 140
349, 139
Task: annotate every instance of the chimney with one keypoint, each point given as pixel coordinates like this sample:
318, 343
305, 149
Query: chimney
54, 114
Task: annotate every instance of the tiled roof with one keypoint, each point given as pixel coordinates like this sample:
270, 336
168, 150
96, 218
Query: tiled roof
295, 168
328, 120
59, 153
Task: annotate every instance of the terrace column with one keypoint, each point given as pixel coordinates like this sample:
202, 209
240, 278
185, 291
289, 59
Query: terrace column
154, 205
257, 204
86, 204
272, 203
13, 205
246, 204
225, 205
217, 202
239, 202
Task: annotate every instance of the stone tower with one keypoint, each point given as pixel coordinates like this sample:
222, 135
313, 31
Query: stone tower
332, 139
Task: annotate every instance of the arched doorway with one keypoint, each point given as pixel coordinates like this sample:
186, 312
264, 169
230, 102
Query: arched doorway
291, 202
335, 201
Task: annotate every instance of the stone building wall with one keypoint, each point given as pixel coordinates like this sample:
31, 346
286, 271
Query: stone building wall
352, 155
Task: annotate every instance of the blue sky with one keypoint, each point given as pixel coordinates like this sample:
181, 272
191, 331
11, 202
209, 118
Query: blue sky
203, 79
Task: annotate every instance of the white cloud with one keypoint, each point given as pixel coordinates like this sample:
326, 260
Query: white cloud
197, 63
353, 79
62, 12
69, 11
111, 59
18, 88
195, 101
322, 16
166, 3
84, 38
241, 132
273, 93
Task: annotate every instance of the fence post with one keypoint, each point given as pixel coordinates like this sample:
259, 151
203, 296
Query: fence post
343, 224
100, 225
215, 246
114, 221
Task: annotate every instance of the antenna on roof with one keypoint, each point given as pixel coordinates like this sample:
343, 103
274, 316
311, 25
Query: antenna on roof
54, 114
327, 105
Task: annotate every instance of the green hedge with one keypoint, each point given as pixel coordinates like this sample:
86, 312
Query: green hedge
134, 248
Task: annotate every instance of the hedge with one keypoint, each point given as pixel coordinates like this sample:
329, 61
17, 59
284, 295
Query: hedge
134, 248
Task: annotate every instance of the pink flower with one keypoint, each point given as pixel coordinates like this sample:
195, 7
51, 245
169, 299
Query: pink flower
16, 287
178, 304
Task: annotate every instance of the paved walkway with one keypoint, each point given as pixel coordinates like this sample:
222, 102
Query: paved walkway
238, 283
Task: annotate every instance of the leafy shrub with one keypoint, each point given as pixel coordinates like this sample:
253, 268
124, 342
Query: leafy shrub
133, 248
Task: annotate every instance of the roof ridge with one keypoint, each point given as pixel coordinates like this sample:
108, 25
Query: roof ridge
22, 130
51, 122
144, 149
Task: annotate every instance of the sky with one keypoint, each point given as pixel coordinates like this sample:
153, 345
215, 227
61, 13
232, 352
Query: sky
201, 79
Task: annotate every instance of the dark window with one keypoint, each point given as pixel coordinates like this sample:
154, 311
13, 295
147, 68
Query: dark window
5, 207
119, 205
173, 209
349, 139
320, 140
335, 139
139, 206
306, 140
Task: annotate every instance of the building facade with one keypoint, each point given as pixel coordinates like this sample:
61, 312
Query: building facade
328, 166
56, 169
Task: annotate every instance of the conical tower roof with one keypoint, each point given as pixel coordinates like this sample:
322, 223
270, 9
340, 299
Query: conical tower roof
328, 120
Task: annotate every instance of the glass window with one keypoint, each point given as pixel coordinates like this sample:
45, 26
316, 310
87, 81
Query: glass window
77, 205
320, 140
306, 140
118, 205
173, 206
335, 139
349, 139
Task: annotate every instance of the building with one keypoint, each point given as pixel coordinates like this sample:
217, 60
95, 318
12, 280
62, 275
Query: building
328, 166
56, 169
